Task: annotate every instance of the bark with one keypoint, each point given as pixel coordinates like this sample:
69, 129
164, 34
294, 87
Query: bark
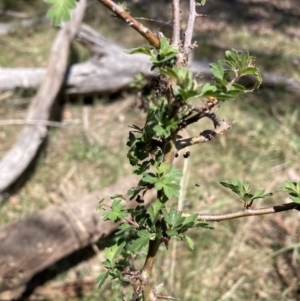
34, 243
25, 149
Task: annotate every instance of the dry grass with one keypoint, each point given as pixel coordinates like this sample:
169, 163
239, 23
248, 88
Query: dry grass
233, 261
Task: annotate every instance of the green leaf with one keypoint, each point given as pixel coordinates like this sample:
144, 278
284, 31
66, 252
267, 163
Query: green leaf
117, 212
173, 217
138, 244
295, 199
293, 188
101, 279
246, 187
189, 242
146, 234
169, 182
150, 178
170, 189
154, 210
250, 70
166, 49
171, 72
217, 69
143, 50
188, 94
207, 89
232, 55
190, 219
260, 194
60, 10
123, 228
112, 252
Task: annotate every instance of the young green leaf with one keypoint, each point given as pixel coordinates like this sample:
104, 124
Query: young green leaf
138, 244
101, 279
189, 242
150, 178
60, 10
154, 210
217, 69
123, 228
143, 50
293, 188
112, 252
117, 212
173, 217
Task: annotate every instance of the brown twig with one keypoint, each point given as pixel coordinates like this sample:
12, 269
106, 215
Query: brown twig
200, 113
204, 136
147, 269
246, 212
125, 16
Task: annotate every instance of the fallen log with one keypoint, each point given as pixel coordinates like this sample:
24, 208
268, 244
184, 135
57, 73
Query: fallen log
110, 70
31, 138
30, 245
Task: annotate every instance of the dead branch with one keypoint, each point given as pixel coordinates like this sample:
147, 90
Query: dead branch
30, 245
139, 27
110, 70
25, 149
247, 212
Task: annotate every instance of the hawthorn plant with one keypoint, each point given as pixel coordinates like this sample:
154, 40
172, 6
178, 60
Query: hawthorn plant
171, 107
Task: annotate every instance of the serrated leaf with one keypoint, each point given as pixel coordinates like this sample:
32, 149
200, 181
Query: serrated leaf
117, 212
188, 94
150, 178
143, 50
138, 244
123, 228
171, 72
101, 279
60, 10
232, 55
246, 187
173, 217
217, 69
295, 199
170, 189
189, 242
161, 131
250, 70
172, 232
112, 252
247, 197
154, 210
190, 219
208, 88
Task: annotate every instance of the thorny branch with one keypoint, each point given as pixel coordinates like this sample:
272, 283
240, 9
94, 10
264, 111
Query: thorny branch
204, 136
139, 27
176, 23
246, 212
190, 25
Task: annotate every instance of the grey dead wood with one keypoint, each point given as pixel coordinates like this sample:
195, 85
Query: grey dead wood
110, 69
30, 245
25, 149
